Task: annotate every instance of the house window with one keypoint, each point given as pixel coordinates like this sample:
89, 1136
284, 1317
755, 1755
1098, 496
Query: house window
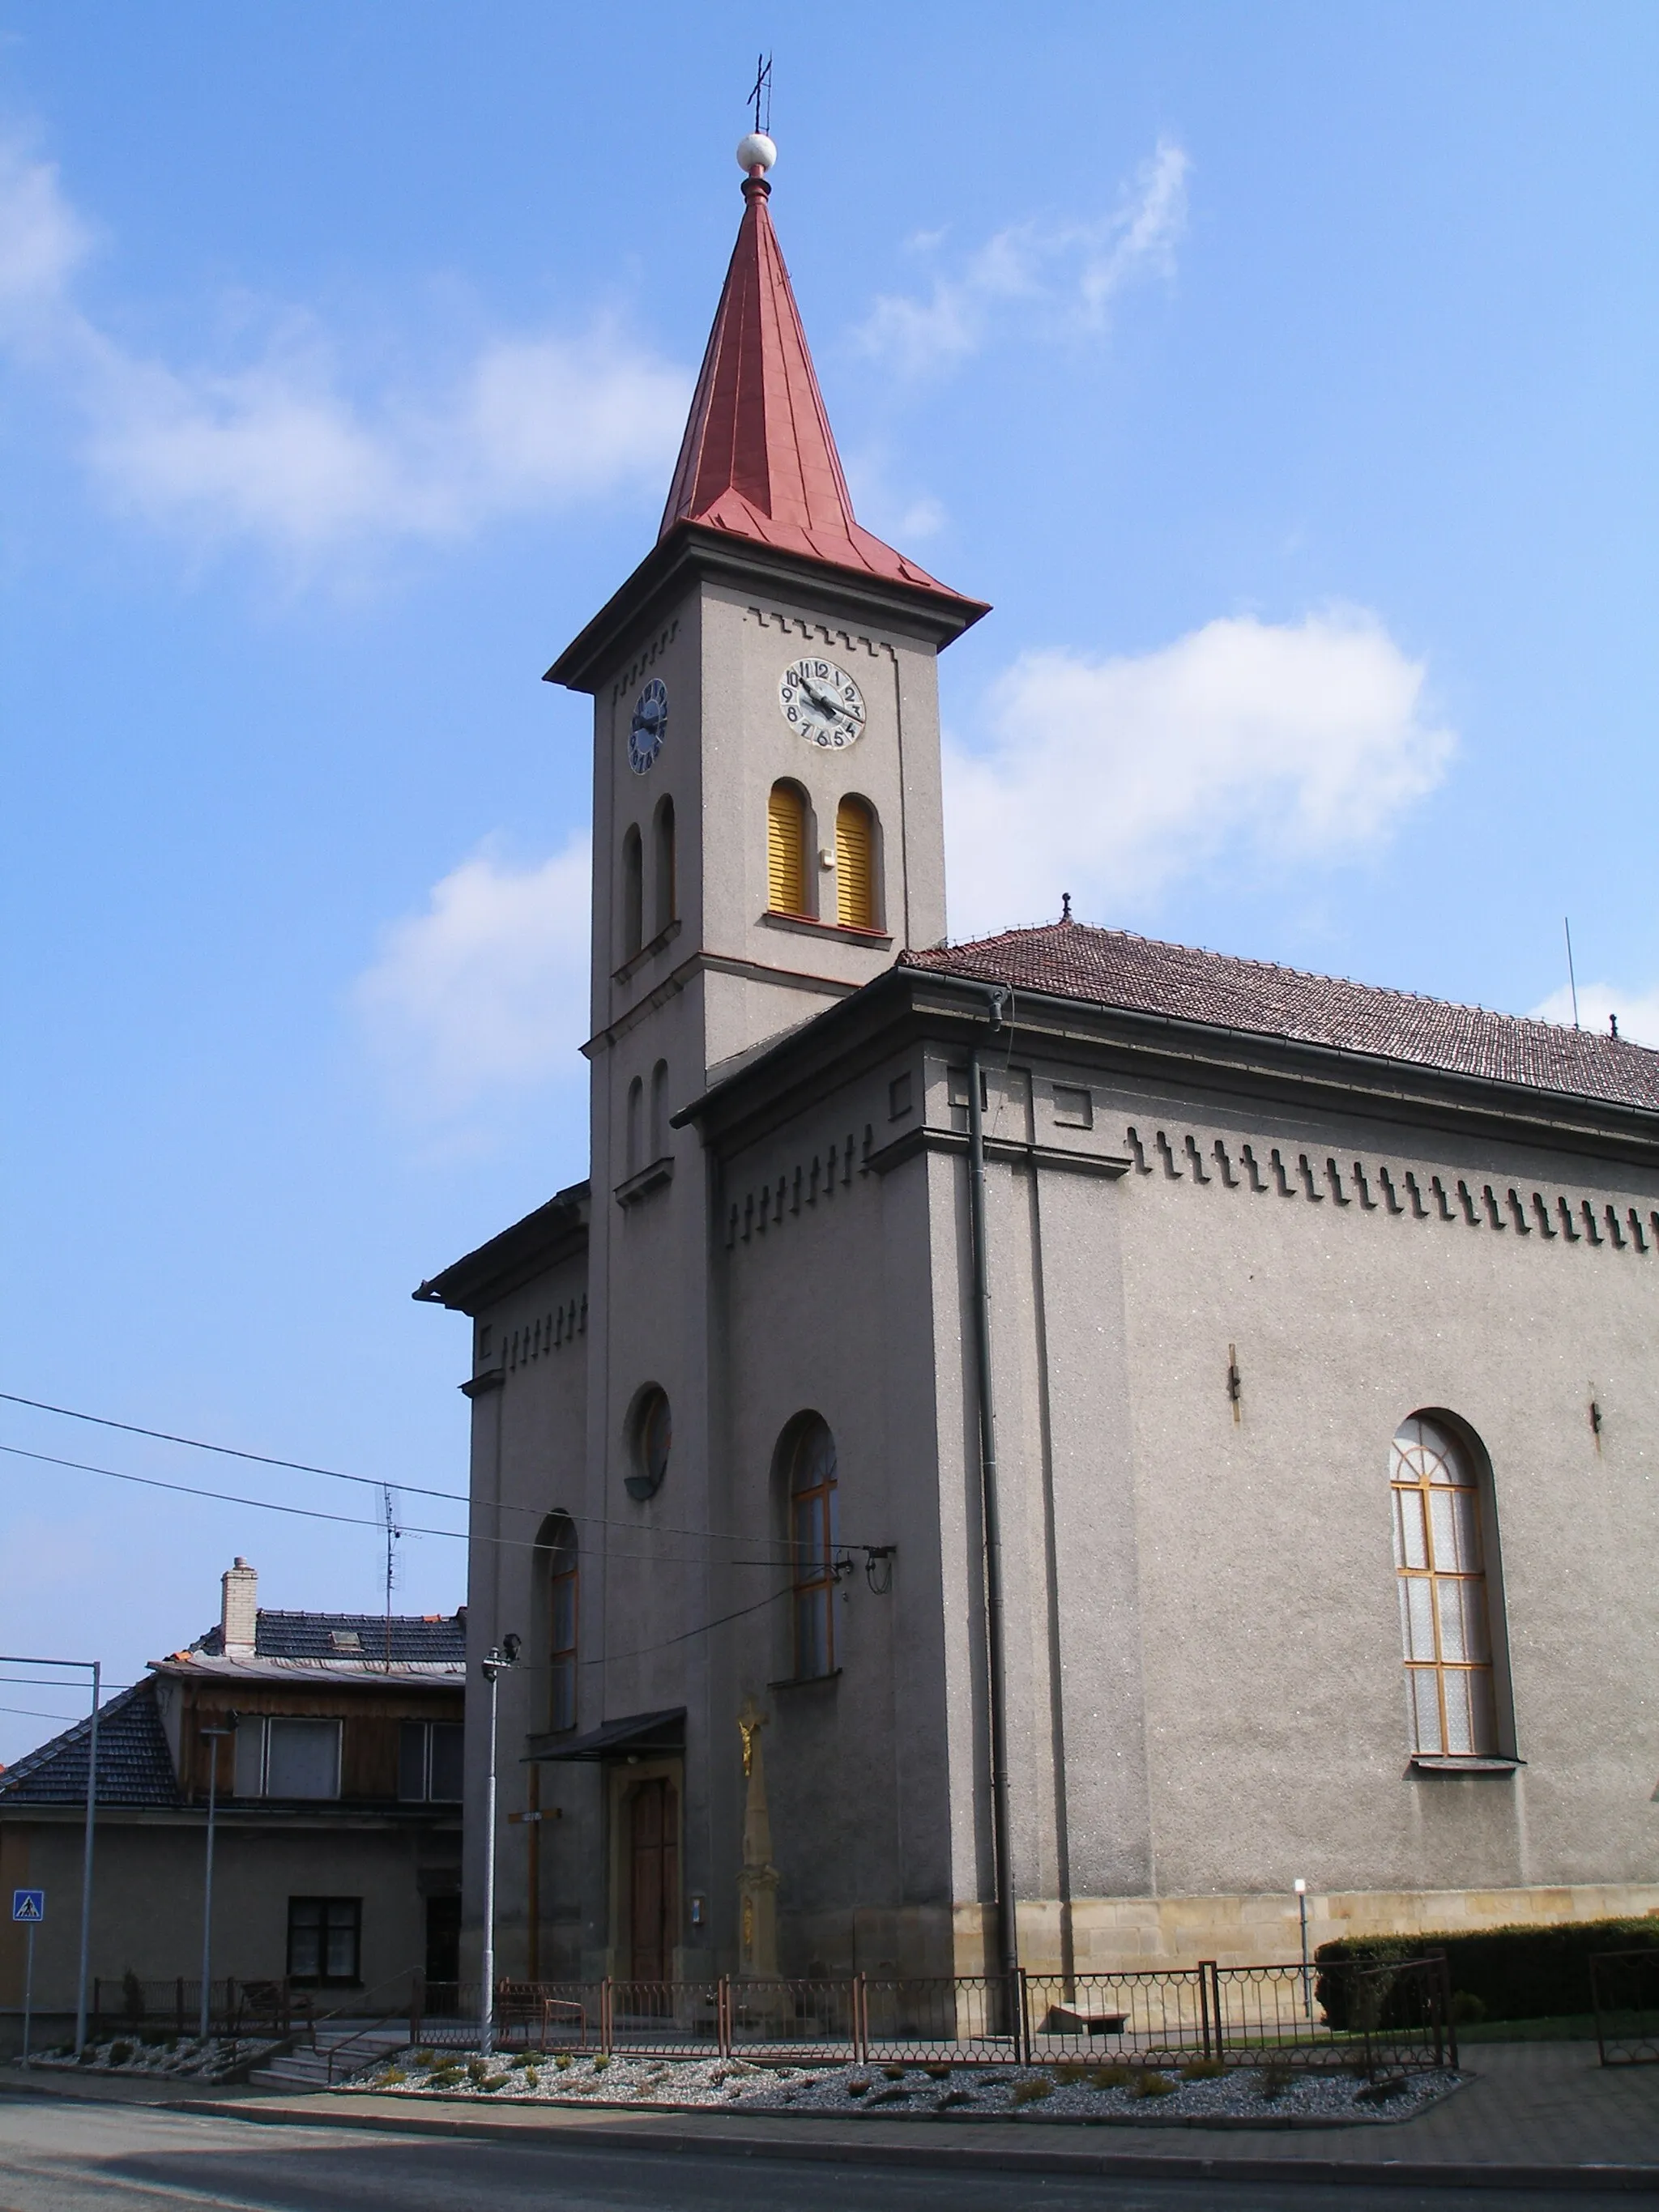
786, 849
324, 1939
810, 1465
287, 1758
430, 1762
1445, 1623
855, 866
561, 1624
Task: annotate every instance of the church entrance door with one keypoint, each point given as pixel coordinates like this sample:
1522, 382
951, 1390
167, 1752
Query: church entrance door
655, 1880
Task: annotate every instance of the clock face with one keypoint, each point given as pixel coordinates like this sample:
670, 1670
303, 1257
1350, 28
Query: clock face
821, 703
650, 723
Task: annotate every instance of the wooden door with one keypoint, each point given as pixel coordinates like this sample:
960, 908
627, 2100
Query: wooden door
654, 1892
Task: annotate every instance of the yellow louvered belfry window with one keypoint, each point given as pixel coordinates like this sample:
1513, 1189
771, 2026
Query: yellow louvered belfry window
786, 850
855, 866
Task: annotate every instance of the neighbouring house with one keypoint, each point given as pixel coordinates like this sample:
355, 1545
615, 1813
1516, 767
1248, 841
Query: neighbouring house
1118, 1430
337, 1853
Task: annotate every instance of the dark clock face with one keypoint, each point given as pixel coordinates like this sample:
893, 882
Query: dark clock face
649, 726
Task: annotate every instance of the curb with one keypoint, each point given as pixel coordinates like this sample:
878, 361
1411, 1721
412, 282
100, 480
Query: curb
1003, 2157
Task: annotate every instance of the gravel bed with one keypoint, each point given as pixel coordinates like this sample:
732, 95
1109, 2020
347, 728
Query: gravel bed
186, 2056
1237, 2096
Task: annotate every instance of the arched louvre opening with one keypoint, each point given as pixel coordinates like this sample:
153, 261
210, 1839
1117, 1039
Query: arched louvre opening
786, 849
1445, 1617
662, 855
855, 866
632, 890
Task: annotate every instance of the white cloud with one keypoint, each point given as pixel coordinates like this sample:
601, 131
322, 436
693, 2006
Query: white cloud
1250, 741
1063, 277
278, 450
1638, 1011
486, 991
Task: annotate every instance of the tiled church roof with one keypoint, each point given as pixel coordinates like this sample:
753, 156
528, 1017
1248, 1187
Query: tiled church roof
135, 1767
1110, 967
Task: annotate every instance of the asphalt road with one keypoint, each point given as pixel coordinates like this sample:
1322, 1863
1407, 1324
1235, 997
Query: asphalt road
57, 2156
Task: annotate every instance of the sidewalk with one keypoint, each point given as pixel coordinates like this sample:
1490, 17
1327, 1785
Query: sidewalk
1530, 2115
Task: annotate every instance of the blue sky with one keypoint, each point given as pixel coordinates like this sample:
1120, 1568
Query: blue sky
1283, 374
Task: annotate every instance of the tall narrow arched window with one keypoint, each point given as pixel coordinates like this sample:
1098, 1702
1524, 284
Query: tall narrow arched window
633, 893
664, 892
1440, 1554
855, 866
560, 1542
786, 849
635, 1117
809, 1472
659, 1110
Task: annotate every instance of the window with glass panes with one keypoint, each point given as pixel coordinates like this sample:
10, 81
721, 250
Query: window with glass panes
1445, 1624
812, 1528
324, 1939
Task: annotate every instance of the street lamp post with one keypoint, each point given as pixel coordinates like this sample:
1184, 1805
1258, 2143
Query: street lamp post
1301, 1908
500, 1657
213, 1737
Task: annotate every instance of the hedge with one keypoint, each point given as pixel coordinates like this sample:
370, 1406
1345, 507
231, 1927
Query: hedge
1516, 1973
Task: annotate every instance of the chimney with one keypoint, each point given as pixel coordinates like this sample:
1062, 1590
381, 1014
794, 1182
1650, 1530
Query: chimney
239, 1611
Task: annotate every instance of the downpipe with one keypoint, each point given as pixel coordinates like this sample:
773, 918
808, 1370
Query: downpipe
991, 1515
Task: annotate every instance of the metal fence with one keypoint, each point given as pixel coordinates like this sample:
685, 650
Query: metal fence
1624, 1992
1390, 2019
147, 2010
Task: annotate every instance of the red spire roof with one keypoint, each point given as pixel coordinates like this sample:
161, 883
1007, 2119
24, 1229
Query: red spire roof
758, 457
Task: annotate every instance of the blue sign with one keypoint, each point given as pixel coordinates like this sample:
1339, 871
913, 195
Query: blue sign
28, 1905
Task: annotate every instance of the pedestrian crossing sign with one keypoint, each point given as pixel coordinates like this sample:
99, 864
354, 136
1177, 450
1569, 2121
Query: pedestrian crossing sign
28, 1905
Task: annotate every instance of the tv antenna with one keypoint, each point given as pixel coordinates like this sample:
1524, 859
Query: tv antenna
392, 1532
1572, 980
760, 94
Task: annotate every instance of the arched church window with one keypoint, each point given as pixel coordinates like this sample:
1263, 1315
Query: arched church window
1440, 1553
786, 849
651, 1438
636, 1116
664, 906
855, 866
659, 1110
808, 1469
559, 1548
633, 893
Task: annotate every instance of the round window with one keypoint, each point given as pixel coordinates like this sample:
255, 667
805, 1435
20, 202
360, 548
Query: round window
653, 1438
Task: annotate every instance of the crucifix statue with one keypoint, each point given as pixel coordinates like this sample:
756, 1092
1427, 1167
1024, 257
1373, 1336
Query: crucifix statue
757, 1882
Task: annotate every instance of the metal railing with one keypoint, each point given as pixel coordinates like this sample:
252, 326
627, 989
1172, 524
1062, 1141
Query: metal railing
1373, 2019
147, 2009
1625, 1993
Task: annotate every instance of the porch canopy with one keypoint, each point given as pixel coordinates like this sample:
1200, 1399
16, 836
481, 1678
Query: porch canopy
642, 1735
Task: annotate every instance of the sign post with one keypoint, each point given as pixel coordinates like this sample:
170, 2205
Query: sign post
28, 1905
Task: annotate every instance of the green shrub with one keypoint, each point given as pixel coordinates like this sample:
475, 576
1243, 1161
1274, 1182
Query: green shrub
1031, 2091
894, 2072
1516, 1973
392, 2077
601, 2061
1466, 2008
857, 2088
477, 2071
1071, 2071
1111, 2077
562, 2060
1203, 2070
1275, 2080
1151, 2085
937, 2072
531, 2077
119, 2053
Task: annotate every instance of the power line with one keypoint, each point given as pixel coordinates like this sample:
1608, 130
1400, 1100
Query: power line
356, 1521
334, 1474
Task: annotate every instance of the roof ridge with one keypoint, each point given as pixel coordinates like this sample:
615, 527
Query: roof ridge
1278, 968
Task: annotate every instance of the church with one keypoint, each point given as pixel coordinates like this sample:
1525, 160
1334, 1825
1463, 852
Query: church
1024, 1451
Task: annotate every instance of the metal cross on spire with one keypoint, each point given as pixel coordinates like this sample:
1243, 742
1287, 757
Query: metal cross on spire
761, 91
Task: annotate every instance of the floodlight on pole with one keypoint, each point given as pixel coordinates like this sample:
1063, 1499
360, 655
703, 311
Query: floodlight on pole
495, 1661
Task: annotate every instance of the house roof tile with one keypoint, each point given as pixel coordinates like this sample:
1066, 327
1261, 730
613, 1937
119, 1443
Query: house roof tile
135, 1767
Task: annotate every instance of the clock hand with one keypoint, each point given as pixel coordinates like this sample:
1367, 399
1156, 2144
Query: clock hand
825, 701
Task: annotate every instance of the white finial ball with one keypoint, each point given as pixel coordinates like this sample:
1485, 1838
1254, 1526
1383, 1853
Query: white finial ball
757, 151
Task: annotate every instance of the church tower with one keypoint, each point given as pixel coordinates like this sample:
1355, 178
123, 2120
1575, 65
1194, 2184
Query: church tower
767, 836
